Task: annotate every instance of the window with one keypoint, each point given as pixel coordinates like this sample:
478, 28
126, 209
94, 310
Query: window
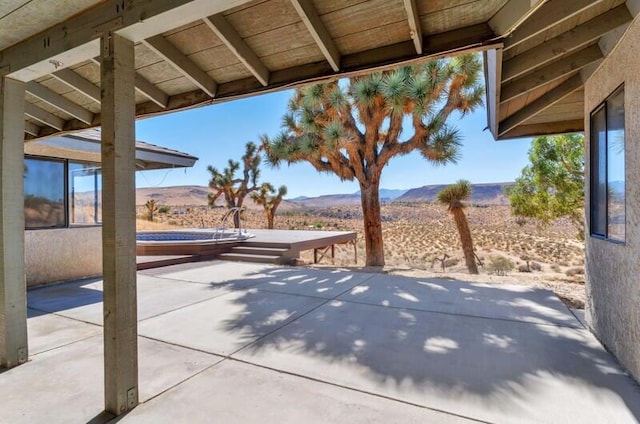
607, 171
85, 196
44, 193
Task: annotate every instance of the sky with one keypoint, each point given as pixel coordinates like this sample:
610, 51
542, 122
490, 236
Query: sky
219, 132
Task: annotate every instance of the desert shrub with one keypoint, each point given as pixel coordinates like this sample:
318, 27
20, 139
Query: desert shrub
563, 263
523, 268
164, 209
499, 265
574, 271
451, 262
555, 268
535, 266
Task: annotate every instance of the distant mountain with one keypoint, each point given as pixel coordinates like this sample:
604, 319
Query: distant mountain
343, 199
489, 193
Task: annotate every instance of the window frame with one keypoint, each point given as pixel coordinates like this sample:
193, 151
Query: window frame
99, 168
603, 106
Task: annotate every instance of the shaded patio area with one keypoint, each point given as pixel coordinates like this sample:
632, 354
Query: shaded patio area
248, 343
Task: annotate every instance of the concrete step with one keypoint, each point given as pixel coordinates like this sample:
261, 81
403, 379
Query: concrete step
241, 257
268, 251
274, 245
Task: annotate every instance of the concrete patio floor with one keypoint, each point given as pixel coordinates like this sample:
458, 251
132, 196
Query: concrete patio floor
246, 343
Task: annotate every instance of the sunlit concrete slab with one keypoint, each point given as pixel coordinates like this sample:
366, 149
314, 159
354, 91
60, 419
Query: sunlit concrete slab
517, 303
236, 393
489, 369
325, 283
243, 274
227, 323
65, 385
83, 300
49, 331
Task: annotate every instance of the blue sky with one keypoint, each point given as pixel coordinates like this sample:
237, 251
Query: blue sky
218, 132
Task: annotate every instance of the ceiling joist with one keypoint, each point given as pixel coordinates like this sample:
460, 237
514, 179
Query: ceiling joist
147, 89
31, 128
41, 115
512, 14
234, 42
548, 15
573, 39
414, 23
78, 83
545, 101
59, 102
318, 31
170, 53
558, 69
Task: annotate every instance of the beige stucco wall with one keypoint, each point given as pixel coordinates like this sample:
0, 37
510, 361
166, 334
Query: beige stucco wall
613, 270
62, 254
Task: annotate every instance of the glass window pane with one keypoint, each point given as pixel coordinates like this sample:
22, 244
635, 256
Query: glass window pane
84, 195
598, 173
615, 167
44, 204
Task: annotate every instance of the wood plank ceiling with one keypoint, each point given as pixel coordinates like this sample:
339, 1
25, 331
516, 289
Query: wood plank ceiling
265, 45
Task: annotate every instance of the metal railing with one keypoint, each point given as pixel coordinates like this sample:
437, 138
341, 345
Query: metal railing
233, 213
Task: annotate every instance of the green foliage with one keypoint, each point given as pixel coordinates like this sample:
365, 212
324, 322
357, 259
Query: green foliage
152, 208
552, 185
500, 265
453, 195
164, 209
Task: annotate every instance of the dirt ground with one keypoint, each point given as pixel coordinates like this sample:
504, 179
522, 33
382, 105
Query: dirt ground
418, 236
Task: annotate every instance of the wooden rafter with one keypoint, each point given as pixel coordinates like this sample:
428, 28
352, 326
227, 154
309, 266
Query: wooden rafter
318, 31
59, 102
564, 43
41, 115
182, 63
31, 128
78, 83
545, 101
414, 23
147, 89
558, 69
230, 37
547, 128
550, 14
512, 14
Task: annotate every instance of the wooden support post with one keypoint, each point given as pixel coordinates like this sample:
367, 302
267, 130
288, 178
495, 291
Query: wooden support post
13, 290
118, 224
333, 253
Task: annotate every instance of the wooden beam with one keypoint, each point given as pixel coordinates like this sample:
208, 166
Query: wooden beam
552, 72
77, 39
318, 31
182, 63
119, 225
31, 129
13, 287
78, 83
512, 14
573, 39
545, 101
234, 42
414, 23
43, 116
547, 128
59, 102
147, 89
493, 70
552, 13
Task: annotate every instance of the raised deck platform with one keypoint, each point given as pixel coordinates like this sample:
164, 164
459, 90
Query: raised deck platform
268, 246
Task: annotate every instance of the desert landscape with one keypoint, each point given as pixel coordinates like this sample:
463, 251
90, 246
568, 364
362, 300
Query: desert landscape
420, 237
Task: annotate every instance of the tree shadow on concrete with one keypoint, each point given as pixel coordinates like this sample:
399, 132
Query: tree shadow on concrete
430, 337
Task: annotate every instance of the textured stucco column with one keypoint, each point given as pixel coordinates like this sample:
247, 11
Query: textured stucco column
13, 297
118, 225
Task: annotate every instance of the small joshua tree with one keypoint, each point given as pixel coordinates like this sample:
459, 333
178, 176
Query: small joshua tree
267, 197
452, 197
152, 208
235, 189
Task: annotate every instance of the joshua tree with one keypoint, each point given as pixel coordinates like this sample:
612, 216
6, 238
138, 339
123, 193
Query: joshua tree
452, 197
267, 197
152, 208
236, 189
353, 128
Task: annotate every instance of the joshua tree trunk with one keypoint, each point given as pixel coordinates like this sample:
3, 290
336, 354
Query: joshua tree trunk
236, 215
465, 239
370, 199
270, 219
